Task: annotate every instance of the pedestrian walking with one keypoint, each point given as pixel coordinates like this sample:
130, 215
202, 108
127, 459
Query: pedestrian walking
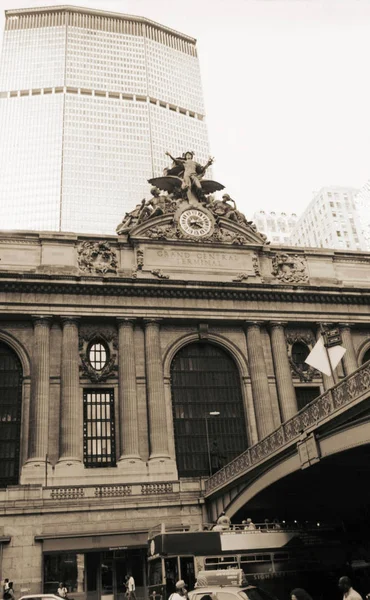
345, 585
62, 590
130, 587
299, 594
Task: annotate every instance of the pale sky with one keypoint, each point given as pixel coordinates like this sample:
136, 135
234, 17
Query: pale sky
286, 86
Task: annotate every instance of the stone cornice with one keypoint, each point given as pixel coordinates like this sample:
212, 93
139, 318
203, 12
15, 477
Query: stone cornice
115, 286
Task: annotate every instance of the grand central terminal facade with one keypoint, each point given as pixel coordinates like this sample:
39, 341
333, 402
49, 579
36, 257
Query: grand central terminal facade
114, 353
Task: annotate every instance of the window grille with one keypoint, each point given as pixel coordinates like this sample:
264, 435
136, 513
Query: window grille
10, 415
366, 356
204, 378
99, 428
305, 395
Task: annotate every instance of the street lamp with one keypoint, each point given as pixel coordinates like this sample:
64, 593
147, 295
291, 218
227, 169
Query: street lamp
213, 413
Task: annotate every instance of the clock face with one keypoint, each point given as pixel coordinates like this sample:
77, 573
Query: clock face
194, 222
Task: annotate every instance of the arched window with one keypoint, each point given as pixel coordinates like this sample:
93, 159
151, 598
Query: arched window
299, 354
205, 379
366, 356
10, 415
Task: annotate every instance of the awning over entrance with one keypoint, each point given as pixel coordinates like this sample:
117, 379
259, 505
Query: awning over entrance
109, 541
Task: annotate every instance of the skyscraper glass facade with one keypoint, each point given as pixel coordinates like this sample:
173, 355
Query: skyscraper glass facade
89, 103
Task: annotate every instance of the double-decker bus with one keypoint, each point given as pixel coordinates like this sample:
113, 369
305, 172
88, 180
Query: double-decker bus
276, 560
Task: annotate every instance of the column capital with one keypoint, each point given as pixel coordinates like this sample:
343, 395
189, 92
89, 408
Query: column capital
278, 324
126, 321
65, 319
254, 323
152, 321
346, 325
42, 320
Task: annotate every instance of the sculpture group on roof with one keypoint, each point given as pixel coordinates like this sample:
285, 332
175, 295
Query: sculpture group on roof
184, 181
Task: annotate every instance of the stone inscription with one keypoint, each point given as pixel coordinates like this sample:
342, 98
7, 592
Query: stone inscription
199, 259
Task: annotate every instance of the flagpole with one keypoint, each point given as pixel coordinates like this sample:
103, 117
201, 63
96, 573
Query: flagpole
322, 331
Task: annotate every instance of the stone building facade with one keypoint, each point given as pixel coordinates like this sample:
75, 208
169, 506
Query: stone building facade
112, 355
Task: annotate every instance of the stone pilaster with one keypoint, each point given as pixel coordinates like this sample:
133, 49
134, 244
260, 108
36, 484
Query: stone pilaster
70, 447
128, 409
155, 392
349, 359
39, 406
284, 382
259, 379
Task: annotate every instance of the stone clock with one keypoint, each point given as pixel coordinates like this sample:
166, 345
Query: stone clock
195, 223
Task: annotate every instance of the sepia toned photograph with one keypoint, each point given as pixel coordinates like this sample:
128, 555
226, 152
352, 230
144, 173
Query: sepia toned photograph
185, 300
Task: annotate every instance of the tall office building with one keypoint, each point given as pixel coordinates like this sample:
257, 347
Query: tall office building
89, 103
331, 220
362, 202
277, 226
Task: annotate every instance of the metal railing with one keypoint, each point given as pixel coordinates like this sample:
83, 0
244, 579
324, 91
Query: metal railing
344, 393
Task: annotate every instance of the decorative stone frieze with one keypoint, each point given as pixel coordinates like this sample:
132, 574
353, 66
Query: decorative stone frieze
156, 488
112, 491
97, 258
290, 268
67, 493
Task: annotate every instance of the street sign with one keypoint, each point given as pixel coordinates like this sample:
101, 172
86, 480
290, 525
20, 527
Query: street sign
332, 337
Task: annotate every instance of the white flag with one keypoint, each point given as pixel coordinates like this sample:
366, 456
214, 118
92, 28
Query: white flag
318, 357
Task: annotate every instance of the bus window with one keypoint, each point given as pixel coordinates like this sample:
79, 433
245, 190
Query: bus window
171, 574
187, 571
155, 571
254, 594
204, 597
221, 562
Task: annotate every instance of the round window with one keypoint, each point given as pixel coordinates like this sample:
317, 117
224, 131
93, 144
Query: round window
98, 356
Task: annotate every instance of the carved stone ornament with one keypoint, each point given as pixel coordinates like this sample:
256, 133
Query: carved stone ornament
97, 258
290, 268
307, 338
256, 265
110, 341
158, 273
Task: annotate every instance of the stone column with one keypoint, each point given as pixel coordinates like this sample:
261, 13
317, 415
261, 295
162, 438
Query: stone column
284, 382
70, 401
349, 359
127, 391
155, 392
328, 381
259, 380
39, 407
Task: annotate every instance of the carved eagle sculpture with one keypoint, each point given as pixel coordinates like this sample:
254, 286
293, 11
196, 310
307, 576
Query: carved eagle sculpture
172, 183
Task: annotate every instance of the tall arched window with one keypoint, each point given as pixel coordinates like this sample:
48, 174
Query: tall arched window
10, 415
366, 356
205, 379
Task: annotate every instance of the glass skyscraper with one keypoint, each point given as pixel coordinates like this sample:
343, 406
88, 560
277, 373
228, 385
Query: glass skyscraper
89, 103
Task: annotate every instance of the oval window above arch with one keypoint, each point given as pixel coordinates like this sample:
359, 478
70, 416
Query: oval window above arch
300, 351
98, 356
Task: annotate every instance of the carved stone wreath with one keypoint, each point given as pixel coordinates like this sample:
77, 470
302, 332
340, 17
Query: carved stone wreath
290, 268
110, 341
307, 338
97, 257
